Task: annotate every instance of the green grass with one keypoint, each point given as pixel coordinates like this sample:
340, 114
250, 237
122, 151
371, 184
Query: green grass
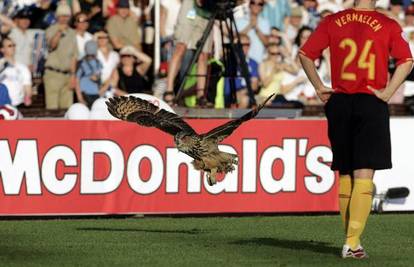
229, 241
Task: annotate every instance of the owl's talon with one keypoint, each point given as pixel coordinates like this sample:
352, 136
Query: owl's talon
211, 177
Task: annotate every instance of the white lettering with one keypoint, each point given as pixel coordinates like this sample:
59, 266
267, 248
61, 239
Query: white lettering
327, 176
25, 163
50, 180
157, 166
287, 155
249, 166
174, 160
114, 153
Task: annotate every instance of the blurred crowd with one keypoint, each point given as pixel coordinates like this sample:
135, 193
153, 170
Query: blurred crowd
82, 50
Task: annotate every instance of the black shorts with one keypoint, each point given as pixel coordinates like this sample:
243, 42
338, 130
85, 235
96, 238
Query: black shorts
359, 132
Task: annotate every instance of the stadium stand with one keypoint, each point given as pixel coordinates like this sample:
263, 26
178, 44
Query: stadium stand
284, 27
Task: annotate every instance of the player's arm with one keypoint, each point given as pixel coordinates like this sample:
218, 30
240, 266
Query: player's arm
397, 79
309, 67
311, 50
400, 51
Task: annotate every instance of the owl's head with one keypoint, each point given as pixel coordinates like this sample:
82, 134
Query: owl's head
183, 140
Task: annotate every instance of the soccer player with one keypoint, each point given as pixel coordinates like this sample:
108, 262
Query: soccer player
360, 40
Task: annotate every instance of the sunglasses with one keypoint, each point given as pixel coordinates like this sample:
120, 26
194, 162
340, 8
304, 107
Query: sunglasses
102, 37
11, 45
272, 44
256, 4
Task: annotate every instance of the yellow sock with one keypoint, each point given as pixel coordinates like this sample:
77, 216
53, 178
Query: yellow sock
345, 189
359, 209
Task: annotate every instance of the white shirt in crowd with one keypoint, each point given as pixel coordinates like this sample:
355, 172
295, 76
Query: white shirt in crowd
24, 45
16, 77
108, 64
305, 88
173, 9
81, 40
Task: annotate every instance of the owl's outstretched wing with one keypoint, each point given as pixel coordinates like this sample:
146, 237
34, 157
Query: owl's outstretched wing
223, 131
134, 109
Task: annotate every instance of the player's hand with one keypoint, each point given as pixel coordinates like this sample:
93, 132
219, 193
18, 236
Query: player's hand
380, 93
324, 93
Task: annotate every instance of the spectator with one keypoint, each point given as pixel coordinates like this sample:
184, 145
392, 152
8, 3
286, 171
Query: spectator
89, 86
295, 86
94, 11
189, 30
123, 29
291, 90
59, 78
409, 16
109, 59
311, 15
15, 75
240, 82
277, 13
82, 36
295, 22
397, 10
271, 73
258, 29
282, 40
130, 75
23, 37
168, 18
303, 35
73, 4
43, 14
4, 95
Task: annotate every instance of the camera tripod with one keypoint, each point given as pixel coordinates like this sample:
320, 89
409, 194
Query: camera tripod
233, 55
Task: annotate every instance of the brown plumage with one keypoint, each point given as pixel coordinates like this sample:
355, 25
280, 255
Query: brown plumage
203, 148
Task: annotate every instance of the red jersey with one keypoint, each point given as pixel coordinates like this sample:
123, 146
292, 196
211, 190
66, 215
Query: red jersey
361, 43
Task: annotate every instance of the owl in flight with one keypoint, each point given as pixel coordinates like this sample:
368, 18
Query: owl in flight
203, 148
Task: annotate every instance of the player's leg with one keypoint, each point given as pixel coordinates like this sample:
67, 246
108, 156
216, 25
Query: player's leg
339, 131
371, 148
359, 206
345, 190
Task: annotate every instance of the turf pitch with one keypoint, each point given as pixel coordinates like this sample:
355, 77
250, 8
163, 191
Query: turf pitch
202, 241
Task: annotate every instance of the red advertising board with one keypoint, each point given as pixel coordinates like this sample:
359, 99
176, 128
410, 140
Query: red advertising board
114, 167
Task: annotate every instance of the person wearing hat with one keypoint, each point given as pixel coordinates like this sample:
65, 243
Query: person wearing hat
122, 28
88, 82
82, 35
295, 22
130, 77
23, 37
60, 66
